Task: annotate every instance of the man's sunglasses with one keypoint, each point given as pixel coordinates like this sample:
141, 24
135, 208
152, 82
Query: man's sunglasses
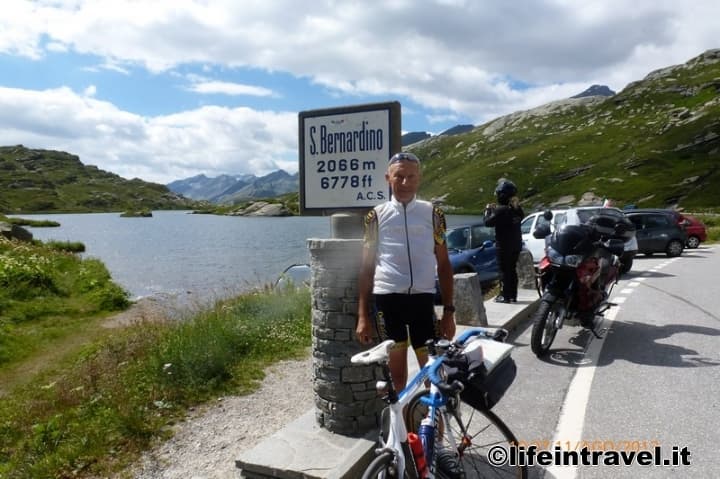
397, 157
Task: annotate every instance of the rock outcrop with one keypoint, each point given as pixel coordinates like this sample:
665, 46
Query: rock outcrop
262, 208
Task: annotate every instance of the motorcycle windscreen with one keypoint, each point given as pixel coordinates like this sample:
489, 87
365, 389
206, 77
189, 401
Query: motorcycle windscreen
572, 239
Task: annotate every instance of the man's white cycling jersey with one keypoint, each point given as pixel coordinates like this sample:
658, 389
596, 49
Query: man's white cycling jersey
404, 237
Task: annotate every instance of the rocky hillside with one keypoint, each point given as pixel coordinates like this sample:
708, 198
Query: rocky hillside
655, 143
34, 181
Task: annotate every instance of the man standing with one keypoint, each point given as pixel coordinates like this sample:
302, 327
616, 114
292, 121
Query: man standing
403, 246
506, 219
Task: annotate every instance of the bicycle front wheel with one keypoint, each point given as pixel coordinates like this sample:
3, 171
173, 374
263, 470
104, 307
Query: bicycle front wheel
382, 467
467, 440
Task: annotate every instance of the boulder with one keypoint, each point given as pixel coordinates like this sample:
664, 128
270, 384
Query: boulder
11, 231
263, 208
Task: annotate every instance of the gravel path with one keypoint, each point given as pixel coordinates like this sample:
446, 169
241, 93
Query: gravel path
207, 443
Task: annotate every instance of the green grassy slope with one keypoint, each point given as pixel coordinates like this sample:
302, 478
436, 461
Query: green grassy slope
656, 143
54, 181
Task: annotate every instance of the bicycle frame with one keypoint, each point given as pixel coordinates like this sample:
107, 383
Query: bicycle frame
397, 439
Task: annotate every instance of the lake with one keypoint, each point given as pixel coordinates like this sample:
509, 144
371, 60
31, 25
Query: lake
177, 253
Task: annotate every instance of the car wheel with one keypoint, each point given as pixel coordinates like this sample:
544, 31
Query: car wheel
693, 242
674, 248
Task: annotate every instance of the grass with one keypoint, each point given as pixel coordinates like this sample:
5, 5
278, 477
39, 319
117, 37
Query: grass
67, 246
78, 399
29, 222
712, 221
111, 399
47, 293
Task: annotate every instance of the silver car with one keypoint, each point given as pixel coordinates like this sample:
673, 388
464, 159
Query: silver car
576, 216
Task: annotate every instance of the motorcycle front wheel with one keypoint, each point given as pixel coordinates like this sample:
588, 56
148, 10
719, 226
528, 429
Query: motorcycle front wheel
544, 327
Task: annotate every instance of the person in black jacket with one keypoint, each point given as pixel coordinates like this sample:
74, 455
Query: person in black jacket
506, 217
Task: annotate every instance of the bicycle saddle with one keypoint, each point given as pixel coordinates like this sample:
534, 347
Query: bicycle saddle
377, 354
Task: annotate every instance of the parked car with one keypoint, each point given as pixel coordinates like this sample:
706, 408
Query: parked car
658, 231
696, 231
472, 250
576, 216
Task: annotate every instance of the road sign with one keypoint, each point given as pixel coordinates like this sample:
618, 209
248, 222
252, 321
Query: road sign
343, 156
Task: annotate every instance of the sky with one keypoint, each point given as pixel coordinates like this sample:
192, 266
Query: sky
165, 90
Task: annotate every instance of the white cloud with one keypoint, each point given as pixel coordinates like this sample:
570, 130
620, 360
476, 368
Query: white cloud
452, 58
228, 88
211, 140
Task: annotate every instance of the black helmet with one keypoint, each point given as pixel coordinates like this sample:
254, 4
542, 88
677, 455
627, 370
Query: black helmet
505, 190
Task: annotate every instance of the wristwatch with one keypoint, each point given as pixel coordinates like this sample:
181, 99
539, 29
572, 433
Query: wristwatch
449, 308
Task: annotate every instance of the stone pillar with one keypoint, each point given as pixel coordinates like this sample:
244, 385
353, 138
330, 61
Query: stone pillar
345, 397
526, 270
468, 300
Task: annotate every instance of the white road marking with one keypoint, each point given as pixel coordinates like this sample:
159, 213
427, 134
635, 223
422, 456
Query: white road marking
572, 414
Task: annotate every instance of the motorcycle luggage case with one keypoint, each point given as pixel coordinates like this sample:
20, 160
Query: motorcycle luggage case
607, 226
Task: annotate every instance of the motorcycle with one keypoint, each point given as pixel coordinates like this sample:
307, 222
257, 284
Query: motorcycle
576, 276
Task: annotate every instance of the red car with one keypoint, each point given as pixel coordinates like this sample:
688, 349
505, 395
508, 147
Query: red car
696, 231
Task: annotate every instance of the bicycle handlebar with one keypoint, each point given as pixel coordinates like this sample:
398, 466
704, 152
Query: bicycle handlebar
445, 388
456, 386
498, 335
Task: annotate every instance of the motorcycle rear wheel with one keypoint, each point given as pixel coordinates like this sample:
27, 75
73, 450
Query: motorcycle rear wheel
544, 328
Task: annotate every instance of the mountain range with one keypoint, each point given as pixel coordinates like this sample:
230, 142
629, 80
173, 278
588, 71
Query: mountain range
229, 189
654, 143
233, 189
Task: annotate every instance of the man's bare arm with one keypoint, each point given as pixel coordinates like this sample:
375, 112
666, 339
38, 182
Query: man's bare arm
364, 329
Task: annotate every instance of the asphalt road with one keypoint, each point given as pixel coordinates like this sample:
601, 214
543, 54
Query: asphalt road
652, 383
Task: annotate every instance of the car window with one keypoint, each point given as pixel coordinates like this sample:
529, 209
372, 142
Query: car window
527, 223
585, 215
637, 220
559, 219
657, 221
480, 234
457, 238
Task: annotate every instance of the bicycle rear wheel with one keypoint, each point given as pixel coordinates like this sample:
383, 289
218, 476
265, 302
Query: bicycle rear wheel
475, 433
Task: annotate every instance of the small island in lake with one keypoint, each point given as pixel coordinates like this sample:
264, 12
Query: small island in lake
137, 214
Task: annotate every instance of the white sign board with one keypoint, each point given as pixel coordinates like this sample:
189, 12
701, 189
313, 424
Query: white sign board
344, 155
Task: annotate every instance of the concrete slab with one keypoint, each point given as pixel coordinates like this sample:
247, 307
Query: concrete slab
304, 450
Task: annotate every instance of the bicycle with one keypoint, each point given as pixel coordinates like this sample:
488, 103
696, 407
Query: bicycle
463, 434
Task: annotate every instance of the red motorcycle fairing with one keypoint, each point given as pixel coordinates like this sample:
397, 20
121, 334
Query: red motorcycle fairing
588, 273
544, 264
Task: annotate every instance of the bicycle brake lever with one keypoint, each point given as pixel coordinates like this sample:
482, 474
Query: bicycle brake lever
500, 334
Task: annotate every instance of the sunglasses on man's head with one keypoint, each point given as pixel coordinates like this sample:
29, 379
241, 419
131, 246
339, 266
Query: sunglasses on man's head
403, 157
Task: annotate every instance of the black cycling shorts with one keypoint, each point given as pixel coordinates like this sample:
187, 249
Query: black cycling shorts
397, 313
